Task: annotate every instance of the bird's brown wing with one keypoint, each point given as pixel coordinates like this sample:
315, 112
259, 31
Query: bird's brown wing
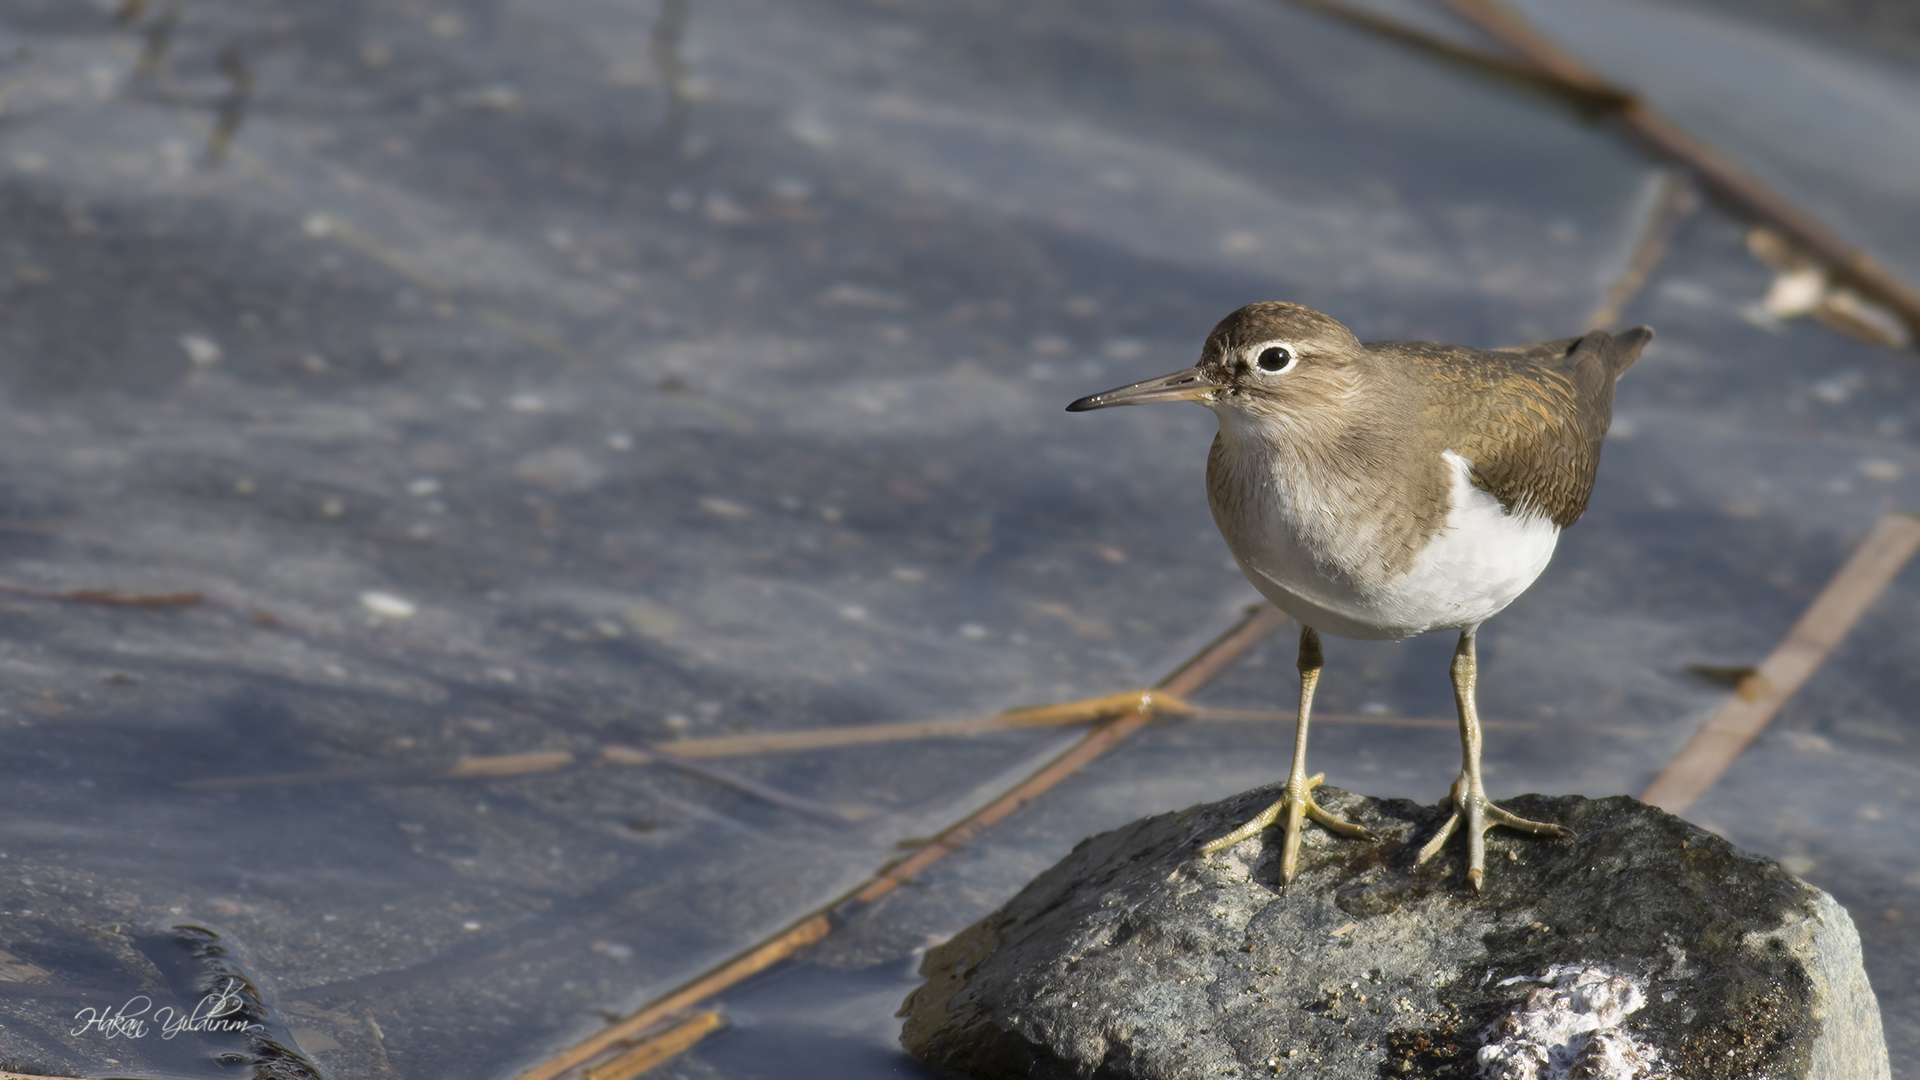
1531, 419
1543, 351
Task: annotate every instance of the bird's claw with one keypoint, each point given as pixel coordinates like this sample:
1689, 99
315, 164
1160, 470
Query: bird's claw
1297, 804
1481, 815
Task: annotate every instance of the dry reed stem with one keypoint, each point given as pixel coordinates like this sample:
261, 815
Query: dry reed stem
1860, 581
1209, 662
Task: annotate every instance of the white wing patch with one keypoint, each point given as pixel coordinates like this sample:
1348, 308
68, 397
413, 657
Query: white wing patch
1480, 562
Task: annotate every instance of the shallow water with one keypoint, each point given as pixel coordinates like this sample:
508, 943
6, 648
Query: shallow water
493, 403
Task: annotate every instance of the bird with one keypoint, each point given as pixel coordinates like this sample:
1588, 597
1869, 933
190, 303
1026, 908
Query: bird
1385, 489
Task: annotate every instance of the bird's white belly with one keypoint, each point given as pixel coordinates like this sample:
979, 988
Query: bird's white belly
1479, 562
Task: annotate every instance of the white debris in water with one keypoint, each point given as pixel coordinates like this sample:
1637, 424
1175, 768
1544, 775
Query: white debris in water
1880, 469
724, 508
202, 351
1571, 1029
387, 605
1795, 292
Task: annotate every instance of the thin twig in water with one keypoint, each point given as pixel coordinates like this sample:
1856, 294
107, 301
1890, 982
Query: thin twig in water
1857, 584
658, 1048
1222, 651
1086, 711
668, 30
110, 597
232, 109
502, 766
1590, 99
157, 38
1716, 173
1544, 65
1672, 202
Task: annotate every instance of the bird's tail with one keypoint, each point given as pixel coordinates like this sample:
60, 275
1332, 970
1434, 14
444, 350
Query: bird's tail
1620, 350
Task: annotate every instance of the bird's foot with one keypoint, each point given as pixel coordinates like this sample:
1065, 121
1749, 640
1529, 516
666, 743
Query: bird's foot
1480, 814
1297, 804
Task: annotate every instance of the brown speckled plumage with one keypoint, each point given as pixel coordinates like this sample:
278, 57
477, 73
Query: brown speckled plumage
1369, 422
1531, 418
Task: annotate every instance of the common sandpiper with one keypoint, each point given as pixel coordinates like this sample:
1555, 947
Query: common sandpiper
1390, 488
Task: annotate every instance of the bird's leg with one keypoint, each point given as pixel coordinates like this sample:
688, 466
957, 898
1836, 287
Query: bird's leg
1298, 802
1469, 798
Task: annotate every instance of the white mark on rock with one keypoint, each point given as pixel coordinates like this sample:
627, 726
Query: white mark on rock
1572, 1028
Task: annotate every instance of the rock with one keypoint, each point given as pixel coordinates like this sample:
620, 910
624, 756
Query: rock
1643, 948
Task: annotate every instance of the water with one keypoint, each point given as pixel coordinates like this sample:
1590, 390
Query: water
494, 404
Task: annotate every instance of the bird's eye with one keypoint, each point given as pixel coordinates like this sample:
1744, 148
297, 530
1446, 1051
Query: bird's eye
1275, 358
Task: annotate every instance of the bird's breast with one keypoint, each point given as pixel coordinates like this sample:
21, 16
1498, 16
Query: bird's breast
1350, 556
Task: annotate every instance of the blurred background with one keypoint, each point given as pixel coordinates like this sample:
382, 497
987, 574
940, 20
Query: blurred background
416, 410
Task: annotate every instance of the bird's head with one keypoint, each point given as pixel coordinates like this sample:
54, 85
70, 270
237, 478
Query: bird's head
1275, 362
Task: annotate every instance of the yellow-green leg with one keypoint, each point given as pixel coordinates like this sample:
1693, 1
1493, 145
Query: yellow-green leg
1297, 804
1468, 796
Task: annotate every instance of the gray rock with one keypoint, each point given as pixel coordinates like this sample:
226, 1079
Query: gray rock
1644, 947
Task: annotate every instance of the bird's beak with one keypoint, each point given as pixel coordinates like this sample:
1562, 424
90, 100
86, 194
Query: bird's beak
1187, 384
